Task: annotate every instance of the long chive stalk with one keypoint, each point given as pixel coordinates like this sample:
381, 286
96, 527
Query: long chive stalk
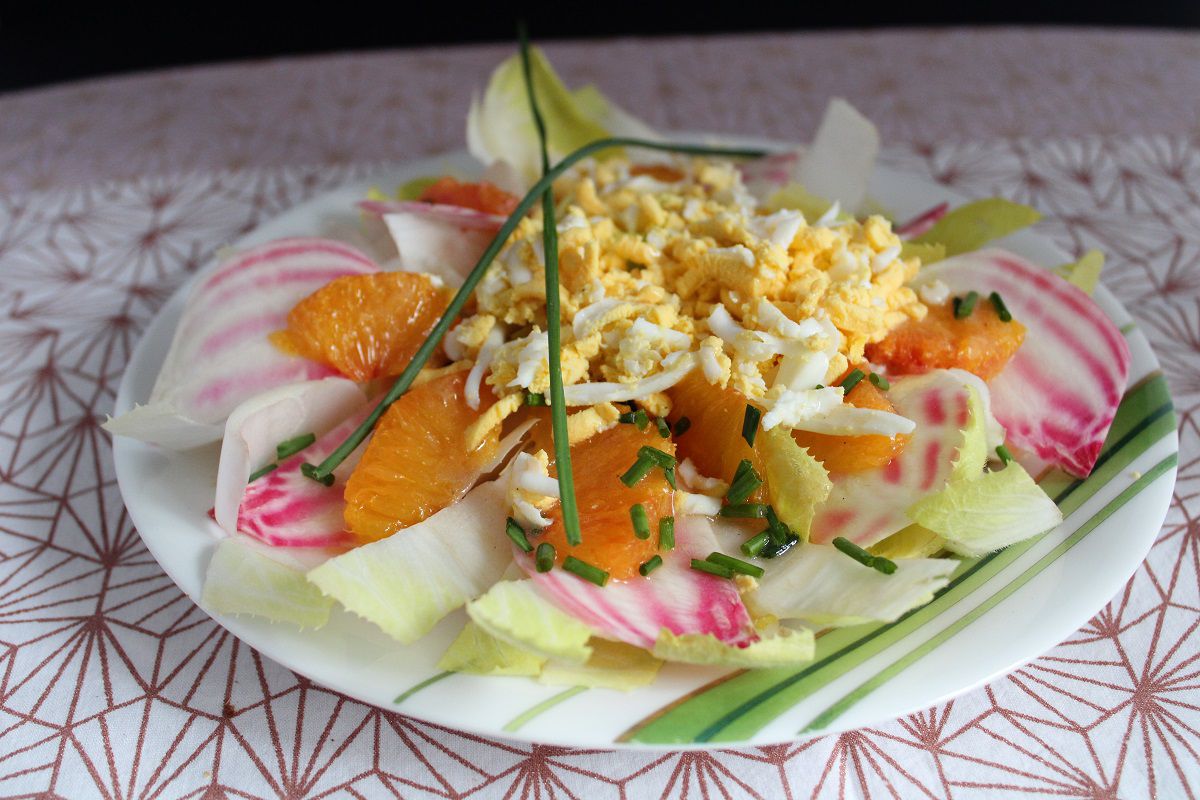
289, 448
558, 400
324, 470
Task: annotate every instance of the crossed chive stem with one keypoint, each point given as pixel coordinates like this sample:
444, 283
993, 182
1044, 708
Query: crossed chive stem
773, 541
320, 472
323, 472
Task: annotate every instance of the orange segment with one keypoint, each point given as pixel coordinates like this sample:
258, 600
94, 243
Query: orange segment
417, 461
482, 196
365, 326
541, 435
714, 441
981, 343
855, 453
608, 541
659, 172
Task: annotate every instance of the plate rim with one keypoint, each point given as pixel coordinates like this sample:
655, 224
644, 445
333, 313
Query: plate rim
232, 624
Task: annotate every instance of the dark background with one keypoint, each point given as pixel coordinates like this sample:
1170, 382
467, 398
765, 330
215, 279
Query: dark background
47, 42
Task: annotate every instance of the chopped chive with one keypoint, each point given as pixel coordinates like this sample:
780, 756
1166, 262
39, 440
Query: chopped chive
669, 474
664, 430
517, 534
641, 522
660, 459
750, 424
745, 483
736, 564
963, 308
775, 550
558, 402
534, 399
778, 534
1001, 310
258, 473
290, 447
640, 469
819, 386
879, 382
1005, 456
776, 531
322, 472
854, 551
681, 426
878, 563
850, 381
755, 544
744, 511
654, 563
666, 534
637, 417
544, 557
701, 565
314, 472
780, 538
584, 570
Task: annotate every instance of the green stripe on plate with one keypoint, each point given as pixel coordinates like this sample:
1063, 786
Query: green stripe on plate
524, 717
419, 686
735, 708
841, 706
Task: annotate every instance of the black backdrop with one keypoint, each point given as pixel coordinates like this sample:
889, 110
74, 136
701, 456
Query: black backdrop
44, 42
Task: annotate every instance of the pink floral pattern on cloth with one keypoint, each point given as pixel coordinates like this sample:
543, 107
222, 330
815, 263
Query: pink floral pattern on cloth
112, 683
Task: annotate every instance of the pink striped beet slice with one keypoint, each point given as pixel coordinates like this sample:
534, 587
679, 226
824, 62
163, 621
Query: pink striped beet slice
221, 355
866, 507
286, 509
674, 596
1058, 395
259, 425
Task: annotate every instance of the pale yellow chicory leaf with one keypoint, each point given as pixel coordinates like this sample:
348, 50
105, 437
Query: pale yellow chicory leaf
971, 226
243, 579
514, 612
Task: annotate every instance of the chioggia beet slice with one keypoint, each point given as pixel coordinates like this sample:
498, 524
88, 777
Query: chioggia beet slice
221, 354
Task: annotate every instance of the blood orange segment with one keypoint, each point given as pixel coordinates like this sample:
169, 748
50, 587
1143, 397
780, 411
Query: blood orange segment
981, 343
365, 326
481, 196
604, 502
417, 461
856, 453
714, 440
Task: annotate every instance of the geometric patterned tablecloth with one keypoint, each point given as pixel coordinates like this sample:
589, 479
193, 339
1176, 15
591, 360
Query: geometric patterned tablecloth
112, 684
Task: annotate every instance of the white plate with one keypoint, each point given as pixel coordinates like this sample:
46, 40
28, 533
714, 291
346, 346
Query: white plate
1007, 611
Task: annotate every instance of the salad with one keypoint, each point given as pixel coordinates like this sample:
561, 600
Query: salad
751, 406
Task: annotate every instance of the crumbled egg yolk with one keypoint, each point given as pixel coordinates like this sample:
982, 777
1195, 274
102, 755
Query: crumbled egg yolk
662, 264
